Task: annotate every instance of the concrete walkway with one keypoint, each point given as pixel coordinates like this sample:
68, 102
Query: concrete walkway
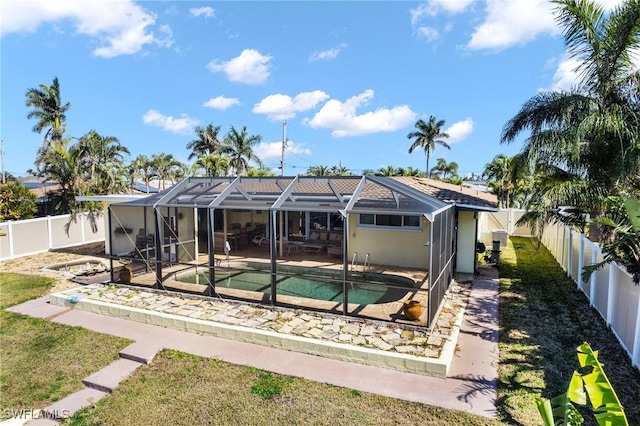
471, 386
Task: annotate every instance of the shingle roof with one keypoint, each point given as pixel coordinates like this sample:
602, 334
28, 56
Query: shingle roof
450, 193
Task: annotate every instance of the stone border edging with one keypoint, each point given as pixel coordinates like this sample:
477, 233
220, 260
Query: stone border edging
437, 367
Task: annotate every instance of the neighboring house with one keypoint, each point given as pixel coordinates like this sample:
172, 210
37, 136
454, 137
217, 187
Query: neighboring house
402, 222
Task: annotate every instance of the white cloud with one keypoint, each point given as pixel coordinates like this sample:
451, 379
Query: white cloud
273, 150
282, 107
430, 33
566, 75
327, 54
509, 22
206, 11
221, 103
251, 67
342, 119
460, 130
182, 125
432, 7
119, 28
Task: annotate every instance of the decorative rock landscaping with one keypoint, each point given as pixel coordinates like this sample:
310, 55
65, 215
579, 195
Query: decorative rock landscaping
399, 338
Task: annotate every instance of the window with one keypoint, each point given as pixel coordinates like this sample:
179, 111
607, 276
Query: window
389, 221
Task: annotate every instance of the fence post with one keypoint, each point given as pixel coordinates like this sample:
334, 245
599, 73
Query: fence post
580, 263
570, 255
592, 278
50, 232
611, 291
10, 236
82, 220
635, 354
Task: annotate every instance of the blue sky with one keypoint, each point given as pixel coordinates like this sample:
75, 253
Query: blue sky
349, 78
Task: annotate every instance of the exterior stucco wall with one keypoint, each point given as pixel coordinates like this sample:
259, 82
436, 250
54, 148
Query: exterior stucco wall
466, 242
389, 246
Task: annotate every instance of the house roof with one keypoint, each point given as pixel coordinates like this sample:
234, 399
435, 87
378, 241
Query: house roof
349, 194
449, 193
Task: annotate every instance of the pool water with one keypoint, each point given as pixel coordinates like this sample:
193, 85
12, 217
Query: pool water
319, 288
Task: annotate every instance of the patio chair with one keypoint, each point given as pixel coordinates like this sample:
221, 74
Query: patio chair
313, 243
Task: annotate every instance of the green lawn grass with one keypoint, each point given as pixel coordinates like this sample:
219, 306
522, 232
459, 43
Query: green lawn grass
41, 361
182, 389
543, 319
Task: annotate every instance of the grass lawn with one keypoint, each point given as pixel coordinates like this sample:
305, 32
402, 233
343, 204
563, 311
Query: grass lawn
543, 319
182, 389
41, 361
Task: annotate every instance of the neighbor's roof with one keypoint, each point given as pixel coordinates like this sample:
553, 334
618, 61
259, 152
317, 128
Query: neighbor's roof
449, 193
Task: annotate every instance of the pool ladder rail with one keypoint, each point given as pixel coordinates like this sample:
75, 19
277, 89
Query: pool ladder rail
366, 265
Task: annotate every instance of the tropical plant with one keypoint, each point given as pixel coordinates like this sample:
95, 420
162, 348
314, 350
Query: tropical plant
213, 165
318, 171
622, 236
595, 386
100, 163
428, 136
17, 202
56, 163
410, 171
387, 171
340, 170
260, 172
141, 167
47, 109
238, 146
207, 141
166, 168
571, 130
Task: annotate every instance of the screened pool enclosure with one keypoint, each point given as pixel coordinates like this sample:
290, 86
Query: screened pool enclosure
355, 246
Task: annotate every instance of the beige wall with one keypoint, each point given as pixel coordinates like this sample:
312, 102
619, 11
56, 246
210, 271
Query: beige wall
389, 246
466, 247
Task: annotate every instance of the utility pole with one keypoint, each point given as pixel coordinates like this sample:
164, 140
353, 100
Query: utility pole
284, 145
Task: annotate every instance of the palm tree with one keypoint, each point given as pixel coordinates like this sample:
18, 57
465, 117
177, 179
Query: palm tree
340, 170
213, 165
261, 172
238, 146
387, 171
410, 171
427, 136
166, 167
439, 168
587, 136
56, 162
142, 167
47, 109
206, 143
101, 161
319, 171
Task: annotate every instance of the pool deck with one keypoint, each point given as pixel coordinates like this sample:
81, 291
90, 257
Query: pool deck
391, 311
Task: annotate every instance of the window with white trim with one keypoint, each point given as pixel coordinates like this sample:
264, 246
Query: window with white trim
389, 221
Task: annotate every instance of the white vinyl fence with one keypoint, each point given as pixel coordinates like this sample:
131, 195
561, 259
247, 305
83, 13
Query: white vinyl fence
31, 236
610, 289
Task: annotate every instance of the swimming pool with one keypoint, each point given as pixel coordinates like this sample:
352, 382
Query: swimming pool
362, 292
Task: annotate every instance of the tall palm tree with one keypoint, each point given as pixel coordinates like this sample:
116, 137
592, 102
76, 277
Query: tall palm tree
101, 160
439, 168
47, 109
238, 146
166, 168
142, 167
588, 135
56, 162
213, 165
208, 141
427, 136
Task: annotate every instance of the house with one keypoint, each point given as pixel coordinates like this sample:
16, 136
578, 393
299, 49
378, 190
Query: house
339, 225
